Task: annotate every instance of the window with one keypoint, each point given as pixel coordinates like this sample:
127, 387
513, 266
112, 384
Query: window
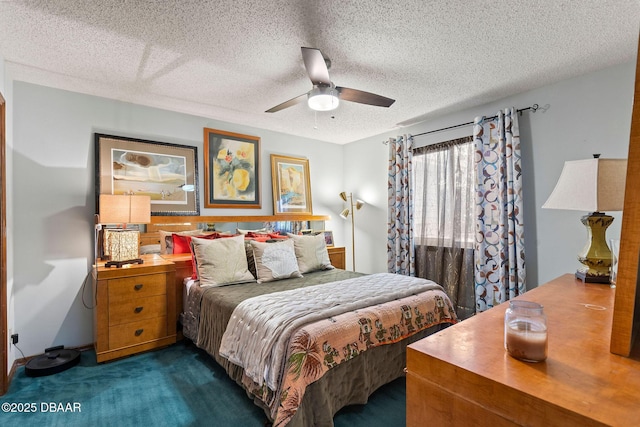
444, 203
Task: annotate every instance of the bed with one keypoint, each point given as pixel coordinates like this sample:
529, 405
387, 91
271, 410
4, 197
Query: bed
312, 371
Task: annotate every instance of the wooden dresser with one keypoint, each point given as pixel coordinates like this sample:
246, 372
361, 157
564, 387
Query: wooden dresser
134, 308
463, 376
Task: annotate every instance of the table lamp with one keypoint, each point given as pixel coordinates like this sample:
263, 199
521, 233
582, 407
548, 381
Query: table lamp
122, 245
593, 185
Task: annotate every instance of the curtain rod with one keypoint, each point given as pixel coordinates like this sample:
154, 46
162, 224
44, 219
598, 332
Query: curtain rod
534, 108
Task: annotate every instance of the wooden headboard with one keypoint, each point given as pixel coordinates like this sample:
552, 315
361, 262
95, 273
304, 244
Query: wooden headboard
152, 235
183, 223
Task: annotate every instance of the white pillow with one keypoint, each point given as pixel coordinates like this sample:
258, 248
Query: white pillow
275, 261
311, 252
164, 234
221, 261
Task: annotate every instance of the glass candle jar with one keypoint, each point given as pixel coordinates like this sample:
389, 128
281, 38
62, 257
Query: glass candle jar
525, 331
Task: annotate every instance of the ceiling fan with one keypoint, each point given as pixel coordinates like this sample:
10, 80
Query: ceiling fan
324, 95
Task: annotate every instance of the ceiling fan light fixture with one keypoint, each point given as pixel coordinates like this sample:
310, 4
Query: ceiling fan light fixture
323, 98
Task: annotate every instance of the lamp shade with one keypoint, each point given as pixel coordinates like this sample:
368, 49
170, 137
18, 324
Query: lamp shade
124, 209
592, 185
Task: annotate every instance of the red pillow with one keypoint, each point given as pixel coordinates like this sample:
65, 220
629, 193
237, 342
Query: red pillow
181, 244
277, 235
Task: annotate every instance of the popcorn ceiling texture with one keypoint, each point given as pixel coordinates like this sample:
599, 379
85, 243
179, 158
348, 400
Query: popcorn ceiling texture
231, 60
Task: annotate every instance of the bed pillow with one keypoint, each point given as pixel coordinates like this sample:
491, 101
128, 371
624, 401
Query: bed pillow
251, 262
165, 234
275, 261
311, 252
221, 261
182, 245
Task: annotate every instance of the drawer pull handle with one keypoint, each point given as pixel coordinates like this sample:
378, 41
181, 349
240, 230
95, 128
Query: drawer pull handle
138, 309
139, 332
138, 286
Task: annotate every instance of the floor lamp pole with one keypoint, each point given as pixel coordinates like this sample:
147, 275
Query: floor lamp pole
353, 235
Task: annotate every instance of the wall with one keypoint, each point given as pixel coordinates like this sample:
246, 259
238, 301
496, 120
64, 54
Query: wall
6, 88
586, 115
53, 206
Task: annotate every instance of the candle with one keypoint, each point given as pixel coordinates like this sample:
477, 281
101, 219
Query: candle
526, 340
525, 331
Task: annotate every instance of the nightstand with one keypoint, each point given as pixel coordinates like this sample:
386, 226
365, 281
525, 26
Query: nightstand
134, 308
337, 257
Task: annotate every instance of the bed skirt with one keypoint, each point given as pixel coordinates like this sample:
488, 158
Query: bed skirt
337, 389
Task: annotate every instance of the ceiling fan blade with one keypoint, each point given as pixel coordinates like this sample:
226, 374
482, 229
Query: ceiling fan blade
355, 95
316, 66
287, 104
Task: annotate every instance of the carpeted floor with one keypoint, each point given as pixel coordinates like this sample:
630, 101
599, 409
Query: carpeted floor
176, 386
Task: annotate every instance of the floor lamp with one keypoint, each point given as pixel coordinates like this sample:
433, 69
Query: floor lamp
350, 212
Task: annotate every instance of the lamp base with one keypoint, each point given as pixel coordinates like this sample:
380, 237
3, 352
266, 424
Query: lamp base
596, 255
119, 264
585, 277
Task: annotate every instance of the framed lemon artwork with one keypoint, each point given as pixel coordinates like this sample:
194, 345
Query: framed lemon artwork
231, 170
291, 185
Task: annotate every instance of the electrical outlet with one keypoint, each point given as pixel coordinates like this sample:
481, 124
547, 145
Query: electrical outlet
14, 339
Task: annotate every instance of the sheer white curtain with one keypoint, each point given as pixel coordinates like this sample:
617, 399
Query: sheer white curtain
444, 219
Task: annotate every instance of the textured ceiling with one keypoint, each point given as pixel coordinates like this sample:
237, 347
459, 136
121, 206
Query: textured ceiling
231, 60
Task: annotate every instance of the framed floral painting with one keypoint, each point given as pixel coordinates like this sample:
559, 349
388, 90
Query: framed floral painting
231, 170
291, 185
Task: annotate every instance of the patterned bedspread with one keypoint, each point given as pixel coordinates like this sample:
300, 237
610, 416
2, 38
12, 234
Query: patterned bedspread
322, 345
316, 347
260, 327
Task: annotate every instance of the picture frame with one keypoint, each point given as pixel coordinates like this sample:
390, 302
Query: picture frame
328, 238
231, 170
166, 172
291, 185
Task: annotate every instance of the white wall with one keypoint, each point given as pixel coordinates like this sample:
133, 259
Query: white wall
6, 88
54, 197
586, 115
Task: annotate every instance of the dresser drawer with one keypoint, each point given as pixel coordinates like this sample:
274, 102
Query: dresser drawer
135, 309
137, 287
137, 332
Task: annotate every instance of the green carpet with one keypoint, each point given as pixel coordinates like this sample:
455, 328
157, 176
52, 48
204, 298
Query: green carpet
177, 386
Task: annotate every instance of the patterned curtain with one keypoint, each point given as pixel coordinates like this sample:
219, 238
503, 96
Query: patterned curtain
499, 249
400, 251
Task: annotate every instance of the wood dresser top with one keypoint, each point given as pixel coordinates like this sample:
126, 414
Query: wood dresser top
580, 374
152, 264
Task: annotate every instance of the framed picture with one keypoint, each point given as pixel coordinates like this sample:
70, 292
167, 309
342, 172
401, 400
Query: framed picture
231, 170
168, 173
291, 187
328, 238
